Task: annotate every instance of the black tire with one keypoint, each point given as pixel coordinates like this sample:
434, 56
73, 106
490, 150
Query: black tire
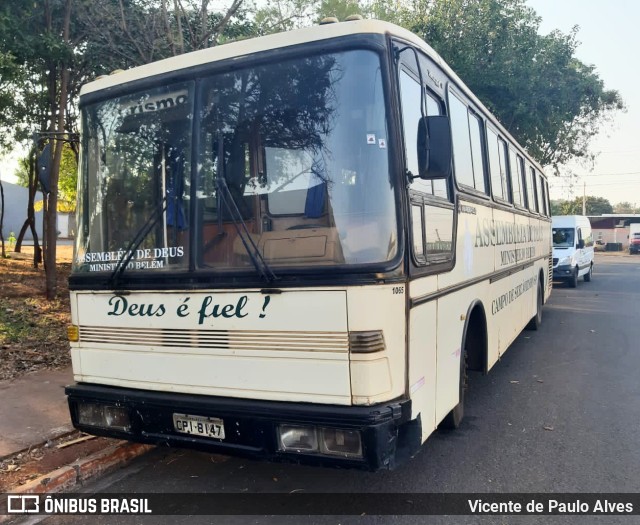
573, 282
453, 419
536, 320
588, 275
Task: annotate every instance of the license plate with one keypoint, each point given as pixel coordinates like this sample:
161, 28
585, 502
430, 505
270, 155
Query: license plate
199, 425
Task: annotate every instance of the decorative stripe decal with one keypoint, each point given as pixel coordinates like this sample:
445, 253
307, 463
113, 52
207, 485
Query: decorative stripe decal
493, 277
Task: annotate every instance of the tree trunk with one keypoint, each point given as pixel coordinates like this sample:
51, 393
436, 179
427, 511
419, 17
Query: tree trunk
31, 214
58, 109
4, 254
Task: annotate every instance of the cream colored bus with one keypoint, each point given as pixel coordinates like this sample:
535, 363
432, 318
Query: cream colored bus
294, 247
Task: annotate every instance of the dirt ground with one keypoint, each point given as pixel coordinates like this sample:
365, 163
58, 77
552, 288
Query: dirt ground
33, 336
33, 330
29, 464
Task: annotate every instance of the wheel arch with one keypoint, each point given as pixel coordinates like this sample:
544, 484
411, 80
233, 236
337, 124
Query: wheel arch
475, 337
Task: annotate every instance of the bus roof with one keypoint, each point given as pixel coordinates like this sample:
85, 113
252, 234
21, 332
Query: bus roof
253, 45
281, 40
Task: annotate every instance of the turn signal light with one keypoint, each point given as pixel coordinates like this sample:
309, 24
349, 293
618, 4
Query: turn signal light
366, 342
73, 333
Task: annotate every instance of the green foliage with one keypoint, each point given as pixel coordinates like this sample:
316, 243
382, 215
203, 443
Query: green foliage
556, 207
125, 33
594, 206
341, 9
68, 178
275, 16
626, 207
550, 101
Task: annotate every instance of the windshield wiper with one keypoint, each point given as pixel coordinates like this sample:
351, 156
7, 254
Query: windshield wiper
140, 236
225, 195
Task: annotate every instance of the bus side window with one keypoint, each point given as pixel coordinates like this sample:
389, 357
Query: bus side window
522, 172
468, 153
546, 200
515, 177
461, 145
541, 196
531, 187
417, 231
498, 154
440, 186
431, 219
494, 164
411, 98
476, 132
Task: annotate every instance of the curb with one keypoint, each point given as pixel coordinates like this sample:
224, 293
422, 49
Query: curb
82, 470
41, 444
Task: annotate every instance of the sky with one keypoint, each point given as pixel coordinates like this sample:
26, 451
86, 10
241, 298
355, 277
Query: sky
610, 40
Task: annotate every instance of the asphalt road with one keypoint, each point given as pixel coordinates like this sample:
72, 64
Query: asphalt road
559, 413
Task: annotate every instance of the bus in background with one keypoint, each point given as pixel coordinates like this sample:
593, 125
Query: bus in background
294, 247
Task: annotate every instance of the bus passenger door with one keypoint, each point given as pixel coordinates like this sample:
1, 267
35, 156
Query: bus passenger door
431, 225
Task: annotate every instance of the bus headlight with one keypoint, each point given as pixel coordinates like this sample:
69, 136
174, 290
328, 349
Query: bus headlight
320, 440
297, 438
339, 442
104, 416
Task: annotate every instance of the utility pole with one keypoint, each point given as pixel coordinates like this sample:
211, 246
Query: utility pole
584, 197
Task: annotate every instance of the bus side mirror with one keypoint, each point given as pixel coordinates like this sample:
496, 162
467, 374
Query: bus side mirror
434, 147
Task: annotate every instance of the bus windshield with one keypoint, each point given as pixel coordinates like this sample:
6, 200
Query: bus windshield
286, 162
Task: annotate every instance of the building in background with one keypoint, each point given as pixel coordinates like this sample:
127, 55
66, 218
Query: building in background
612, 229
16, 199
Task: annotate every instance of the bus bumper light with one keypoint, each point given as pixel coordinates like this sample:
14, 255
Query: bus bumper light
339, 442
104, 416
320, 440
294, 438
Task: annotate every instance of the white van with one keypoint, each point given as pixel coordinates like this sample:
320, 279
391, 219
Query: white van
572, 248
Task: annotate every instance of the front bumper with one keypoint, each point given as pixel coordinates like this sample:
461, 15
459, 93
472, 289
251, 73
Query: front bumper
563, 272
387, 434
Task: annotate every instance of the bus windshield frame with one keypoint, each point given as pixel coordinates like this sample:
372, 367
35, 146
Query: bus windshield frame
305, 183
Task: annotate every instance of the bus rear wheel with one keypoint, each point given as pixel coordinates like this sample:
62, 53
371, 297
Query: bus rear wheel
536, 320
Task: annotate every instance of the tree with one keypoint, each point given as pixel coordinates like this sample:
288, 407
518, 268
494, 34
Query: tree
125, 33
551, 102
67, 190
556, 207
3, 254
30, 222
37, 35
626, 208
594, 206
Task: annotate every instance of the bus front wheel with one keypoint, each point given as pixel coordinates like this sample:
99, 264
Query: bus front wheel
453, 419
